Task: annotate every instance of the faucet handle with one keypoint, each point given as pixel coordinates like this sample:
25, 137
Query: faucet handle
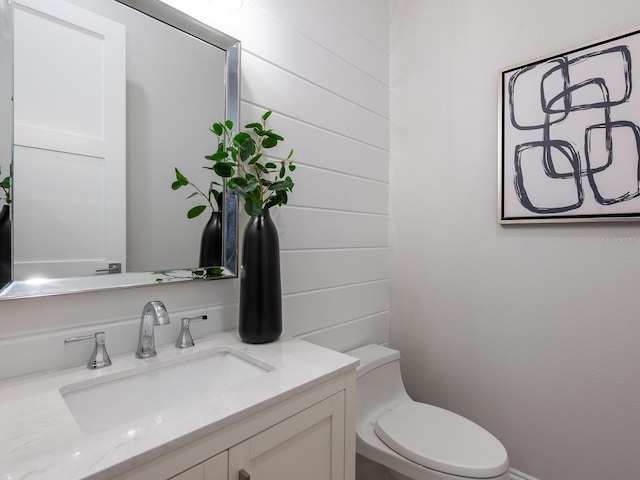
99, 358
185, 340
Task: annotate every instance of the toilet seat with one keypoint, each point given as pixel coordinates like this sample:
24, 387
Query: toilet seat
441, 440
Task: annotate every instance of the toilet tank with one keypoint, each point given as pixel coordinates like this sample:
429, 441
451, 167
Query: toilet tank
379, 384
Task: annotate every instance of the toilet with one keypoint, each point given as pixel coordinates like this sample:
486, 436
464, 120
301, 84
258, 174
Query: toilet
398, 438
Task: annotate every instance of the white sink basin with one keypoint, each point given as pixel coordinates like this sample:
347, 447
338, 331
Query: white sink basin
101, 403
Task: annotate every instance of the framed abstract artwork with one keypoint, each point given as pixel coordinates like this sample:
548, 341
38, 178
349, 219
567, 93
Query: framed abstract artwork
569, 135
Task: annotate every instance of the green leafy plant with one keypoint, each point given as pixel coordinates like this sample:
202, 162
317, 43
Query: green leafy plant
213, 195
5, 185
239, 158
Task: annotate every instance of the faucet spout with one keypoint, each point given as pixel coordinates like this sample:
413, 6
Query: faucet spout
153, 313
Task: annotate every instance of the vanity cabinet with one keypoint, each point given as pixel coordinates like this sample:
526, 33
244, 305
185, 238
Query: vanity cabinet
213, 469
310, 436
309, 445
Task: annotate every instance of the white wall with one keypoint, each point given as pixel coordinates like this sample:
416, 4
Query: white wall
532, 331
322, 67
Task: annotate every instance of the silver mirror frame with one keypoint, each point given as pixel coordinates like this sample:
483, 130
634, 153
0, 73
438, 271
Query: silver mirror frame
59, 286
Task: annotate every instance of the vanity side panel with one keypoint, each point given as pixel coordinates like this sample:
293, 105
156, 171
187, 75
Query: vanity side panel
350, 426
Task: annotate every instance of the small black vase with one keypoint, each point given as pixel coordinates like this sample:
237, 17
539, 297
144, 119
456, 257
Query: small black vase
5, 246
260, 294
211, 243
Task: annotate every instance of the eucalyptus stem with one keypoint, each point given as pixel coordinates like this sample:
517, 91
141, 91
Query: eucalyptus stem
207, 197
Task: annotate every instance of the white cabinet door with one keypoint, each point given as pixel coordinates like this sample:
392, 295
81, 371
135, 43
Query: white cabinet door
213, 469
69, 157
309, 446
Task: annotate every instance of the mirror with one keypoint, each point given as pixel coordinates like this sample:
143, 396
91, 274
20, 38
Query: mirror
109, 97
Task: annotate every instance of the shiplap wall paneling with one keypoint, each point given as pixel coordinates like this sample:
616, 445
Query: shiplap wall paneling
345, 49
295, 97
338, 212
350, 335
320, 309
325, 149
322, 67
305, 270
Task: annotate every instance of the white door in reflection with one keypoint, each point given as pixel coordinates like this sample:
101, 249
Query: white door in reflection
69, 145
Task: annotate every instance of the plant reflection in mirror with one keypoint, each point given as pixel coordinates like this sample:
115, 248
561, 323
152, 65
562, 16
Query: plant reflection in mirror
5, 185
189, 274
211, 196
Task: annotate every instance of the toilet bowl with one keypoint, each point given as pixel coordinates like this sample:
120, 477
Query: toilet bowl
412, 440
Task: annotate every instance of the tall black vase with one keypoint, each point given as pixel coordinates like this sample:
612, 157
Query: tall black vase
211, 242
5, 246
260, 295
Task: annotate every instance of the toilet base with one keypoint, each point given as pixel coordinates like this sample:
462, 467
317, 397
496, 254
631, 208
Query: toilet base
369, 470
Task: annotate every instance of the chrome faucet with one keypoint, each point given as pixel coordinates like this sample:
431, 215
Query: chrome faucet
153, 313
99, 358
185, 340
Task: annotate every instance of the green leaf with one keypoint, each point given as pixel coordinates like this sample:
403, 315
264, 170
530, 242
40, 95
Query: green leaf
270, 165
236, 185
286, 184
255, 159
217, 128
252, 208
266, 115
195, 211
174, 186
282, 172
260, 167
229, 124
280, 198
224, 169
257, 129
181, 178
216, 157
217, 196
292, 167
243, 186
247, 149
240, 181
240, 138
270, 142
246, 146
214, 271
290, 155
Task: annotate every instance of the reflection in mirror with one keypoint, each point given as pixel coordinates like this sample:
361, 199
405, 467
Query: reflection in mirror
6, 129
108, 101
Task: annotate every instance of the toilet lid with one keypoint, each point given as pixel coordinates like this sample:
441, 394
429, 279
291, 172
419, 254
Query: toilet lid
441, 440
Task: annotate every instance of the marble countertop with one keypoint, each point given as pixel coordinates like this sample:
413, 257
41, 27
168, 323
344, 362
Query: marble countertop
41, 440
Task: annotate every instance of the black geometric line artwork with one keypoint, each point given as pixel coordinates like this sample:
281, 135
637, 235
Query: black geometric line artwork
570, 135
